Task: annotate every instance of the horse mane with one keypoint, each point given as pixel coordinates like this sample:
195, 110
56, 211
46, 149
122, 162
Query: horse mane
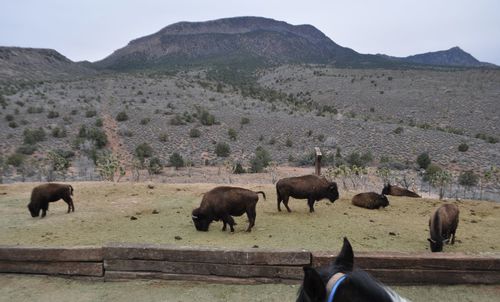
363, 283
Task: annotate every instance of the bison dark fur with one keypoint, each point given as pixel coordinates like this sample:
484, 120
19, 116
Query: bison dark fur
370, 200
310, 187
221, 203
43, 194
442, 226
398, 191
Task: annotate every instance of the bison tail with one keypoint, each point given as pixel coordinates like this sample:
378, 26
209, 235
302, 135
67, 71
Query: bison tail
70, 190
263, 194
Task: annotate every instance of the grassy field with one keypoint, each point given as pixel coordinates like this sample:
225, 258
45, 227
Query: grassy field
104, 211
29, 288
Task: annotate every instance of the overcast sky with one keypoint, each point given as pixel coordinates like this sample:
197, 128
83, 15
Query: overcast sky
93, 29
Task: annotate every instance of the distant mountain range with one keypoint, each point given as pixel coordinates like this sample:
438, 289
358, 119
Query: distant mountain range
240, 41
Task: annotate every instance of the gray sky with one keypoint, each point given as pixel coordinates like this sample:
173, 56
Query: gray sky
92, 29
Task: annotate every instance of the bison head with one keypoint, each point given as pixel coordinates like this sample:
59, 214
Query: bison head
34, 210
333, 192
384, 202
436, 245
386, 190
201, 221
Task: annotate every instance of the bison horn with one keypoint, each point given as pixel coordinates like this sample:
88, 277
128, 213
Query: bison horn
194, 216
431, 240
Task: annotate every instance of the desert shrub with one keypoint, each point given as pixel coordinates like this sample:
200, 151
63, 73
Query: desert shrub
13, 124
260, 160
9, 117
232, 134
355, 159
163, 137
222, 150
463, 147
194, 133
33, 136
98, 122
26, 149
468, 179
145, 121
487, 138
205, 117
244, 121
122, 116
176, 160
431, 171
398, 130
53, 114
177, 120
90, 113
155, 166
32, 110
15, 159
423, 160
143, 151
238, 169
58, 132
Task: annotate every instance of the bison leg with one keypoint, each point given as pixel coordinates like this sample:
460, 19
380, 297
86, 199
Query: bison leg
45, 208
69, 201
251, 219
229, 220
310, 202
285, 202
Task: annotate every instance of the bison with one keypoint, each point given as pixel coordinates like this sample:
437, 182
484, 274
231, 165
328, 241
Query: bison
310, 187
221, 203
43, 194
370, 200
442, 226
398, 191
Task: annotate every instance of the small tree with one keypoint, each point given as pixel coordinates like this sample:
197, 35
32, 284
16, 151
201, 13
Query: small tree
423, 160
143, 151
468, 180
440, 180
176, 160
260, 160
222, 150
154, 166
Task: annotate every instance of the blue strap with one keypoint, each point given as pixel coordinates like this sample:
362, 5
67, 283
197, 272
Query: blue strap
335, 286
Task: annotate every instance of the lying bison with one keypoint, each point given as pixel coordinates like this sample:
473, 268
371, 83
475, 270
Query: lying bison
43, 194
370, 200
442, 226
224, 202
310, 187
398, 191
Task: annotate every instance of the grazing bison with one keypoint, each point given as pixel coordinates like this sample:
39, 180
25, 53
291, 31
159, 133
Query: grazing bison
370, 200
442, 226
398, 191
224, 202
43, 194
310, 187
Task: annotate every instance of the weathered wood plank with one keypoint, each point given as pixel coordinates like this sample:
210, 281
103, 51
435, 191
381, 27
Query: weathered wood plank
438, 261
53, 268
229, 270
441, 277
29, 253
206, 255
120, 275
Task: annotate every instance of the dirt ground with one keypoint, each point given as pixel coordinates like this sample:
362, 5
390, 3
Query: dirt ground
16, 288
104, 211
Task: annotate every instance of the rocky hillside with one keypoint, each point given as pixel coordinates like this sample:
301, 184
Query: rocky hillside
29, 64
452, 57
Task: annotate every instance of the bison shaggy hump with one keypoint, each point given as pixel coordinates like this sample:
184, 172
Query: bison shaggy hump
43, 194
370, 200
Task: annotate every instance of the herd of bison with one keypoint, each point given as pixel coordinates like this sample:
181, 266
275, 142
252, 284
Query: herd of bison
223, 202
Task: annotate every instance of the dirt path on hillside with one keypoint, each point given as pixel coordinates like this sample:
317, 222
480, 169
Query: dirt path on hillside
110, 126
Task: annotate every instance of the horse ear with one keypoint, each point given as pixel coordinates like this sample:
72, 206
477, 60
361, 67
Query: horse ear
345, 259
313, 286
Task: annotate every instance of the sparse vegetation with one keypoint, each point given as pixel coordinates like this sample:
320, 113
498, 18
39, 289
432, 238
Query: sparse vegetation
194, 133
423, 160
121, 116
463, 147
261, 159
176, 160
222, 150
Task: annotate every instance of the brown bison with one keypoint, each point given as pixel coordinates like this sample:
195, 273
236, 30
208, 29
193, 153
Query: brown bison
43, 194
398, 191
221, 203
370, 200
442, 226
310, 187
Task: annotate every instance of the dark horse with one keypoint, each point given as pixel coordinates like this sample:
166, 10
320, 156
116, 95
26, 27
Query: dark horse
339, 282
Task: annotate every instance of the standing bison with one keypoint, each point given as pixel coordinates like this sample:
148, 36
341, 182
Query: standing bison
398, 191
442, 226
370, 200
310, 187
43, 194
221, 203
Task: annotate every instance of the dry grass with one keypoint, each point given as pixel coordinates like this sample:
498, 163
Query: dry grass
103, 214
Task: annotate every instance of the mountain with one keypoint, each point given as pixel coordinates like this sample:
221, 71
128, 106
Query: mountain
250, 40
18, 63
452, 57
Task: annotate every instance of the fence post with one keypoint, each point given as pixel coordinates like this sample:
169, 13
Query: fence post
317, 162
